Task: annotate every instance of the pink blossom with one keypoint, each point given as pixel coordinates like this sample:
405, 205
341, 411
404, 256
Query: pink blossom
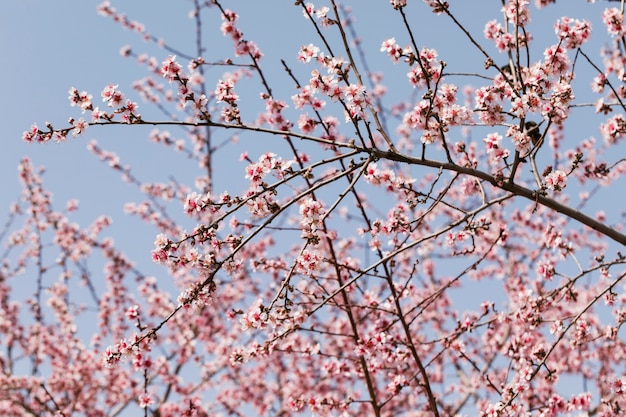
308, 10
397, 4
309, 261
224, 91
79, 126
306, 124
556, 180
614, 128
517, 12
428, 71
145, 400
573, 33
614, 21
308, 52
392, 48
82, 99
132, 313
112, 96
170, 69
312, 213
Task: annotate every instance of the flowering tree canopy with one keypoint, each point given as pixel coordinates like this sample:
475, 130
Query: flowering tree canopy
367, 227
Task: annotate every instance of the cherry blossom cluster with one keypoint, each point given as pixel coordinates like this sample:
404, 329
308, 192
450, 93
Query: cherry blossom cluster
394, 229
614, 21
353, 97
224, 92
309, 261
165, 137
504, 40
326, 84
395, 52
614, 129
516, 12
356, 101
105, 9
312, 214
196, 203
187, 97
308, 52
268, 163
171, 69
427, 70
242, 46
572, 33
274, 115
397, 4
259, 201
494, 148
198, 294
114, 354
115, 99
260, 317
110, 95
387, 178
307, 97
321, 13
434, 117
556, 180
150, 91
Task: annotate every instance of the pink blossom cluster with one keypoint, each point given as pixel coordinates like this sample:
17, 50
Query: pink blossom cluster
260, 202
309, 261
105, 9
197, 203
504, 40
242, 46
110, 95
224, 92
387, 178
356, 101
397, 4
196, 294
308, 52
321, 13
260, 317
613, 18
572, 33
434, 117
493, 144
326, 84
124, 349
394, 50
306, 97
267, 163
312, 214
614, 129
274, 115
353, 97
187, 98
395, 228
427, 70
517, 12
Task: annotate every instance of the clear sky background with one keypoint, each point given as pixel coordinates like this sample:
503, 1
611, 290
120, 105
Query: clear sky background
50, 46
